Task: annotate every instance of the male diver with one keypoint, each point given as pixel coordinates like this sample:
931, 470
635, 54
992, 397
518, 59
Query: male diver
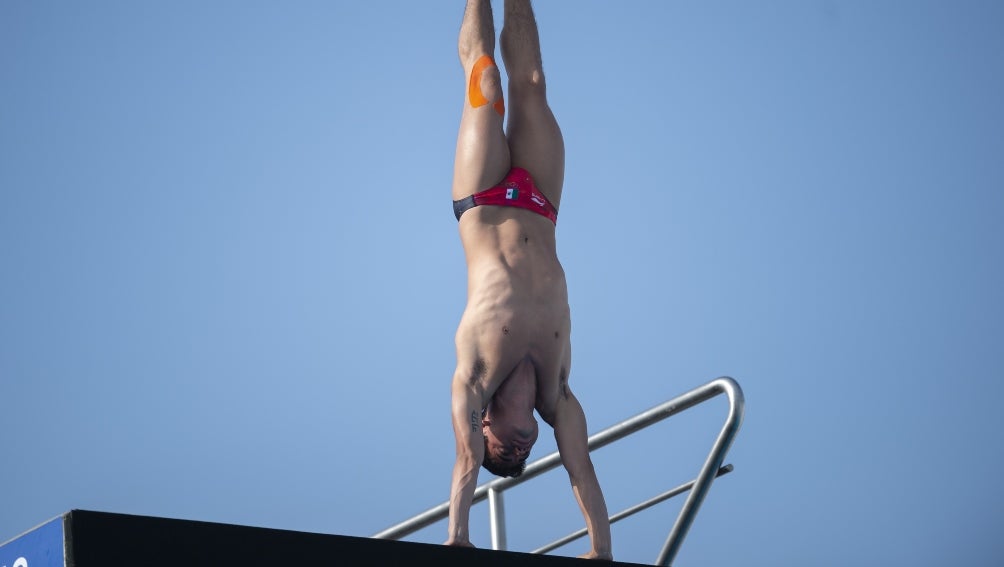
513, 349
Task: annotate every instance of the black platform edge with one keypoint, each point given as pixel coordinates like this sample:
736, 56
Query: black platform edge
103, 539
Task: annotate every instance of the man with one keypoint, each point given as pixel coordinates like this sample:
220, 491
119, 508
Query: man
513, 350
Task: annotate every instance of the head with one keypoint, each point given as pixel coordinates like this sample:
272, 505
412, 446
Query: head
508, 441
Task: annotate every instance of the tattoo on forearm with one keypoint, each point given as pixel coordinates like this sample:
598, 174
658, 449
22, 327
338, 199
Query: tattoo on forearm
474, 421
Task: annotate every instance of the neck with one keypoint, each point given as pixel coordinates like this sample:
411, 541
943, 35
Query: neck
517, 395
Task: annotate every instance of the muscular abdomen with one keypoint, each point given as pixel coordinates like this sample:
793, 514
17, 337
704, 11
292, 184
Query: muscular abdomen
516, 284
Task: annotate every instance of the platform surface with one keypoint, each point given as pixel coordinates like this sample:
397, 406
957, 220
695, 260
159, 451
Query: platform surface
102, 539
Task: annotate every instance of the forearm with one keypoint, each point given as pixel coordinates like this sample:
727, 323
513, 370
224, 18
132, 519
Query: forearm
587, 492
570, 433
465, 478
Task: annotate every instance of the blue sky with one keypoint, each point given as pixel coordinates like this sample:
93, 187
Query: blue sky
231, 274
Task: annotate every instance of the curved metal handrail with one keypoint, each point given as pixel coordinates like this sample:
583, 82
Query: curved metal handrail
627, 512
698, 487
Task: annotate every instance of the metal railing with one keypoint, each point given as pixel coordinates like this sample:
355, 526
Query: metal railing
698, 487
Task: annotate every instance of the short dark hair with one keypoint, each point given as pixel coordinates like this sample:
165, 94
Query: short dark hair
499, 468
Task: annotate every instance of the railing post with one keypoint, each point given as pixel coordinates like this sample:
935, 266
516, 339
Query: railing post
496, 514
708, 471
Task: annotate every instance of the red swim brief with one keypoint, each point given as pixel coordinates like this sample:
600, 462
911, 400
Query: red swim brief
516, 190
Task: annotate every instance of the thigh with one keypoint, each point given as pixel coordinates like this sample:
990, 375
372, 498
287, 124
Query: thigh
535, 141
482, 157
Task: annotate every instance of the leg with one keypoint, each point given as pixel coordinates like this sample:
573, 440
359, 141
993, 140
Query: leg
482, 158
535, 140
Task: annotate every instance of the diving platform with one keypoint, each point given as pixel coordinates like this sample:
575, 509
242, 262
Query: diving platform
82, 538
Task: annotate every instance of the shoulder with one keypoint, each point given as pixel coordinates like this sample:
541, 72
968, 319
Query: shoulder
552, 398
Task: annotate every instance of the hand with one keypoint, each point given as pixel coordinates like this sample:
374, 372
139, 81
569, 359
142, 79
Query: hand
593, 554
459, 543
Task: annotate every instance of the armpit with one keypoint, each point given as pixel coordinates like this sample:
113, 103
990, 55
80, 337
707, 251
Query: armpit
478, 371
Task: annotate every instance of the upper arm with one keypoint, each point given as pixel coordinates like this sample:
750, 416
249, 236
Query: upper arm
569, 423
467, 400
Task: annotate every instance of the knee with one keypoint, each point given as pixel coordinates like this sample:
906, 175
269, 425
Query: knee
485, 84
528, 83
489, 81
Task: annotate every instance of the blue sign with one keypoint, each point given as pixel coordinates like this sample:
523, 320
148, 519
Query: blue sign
40, 547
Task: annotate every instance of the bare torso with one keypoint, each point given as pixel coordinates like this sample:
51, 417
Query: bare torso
517, 302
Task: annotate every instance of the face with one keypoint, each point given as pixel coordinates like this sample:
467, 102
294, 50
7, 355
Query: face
508, 442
